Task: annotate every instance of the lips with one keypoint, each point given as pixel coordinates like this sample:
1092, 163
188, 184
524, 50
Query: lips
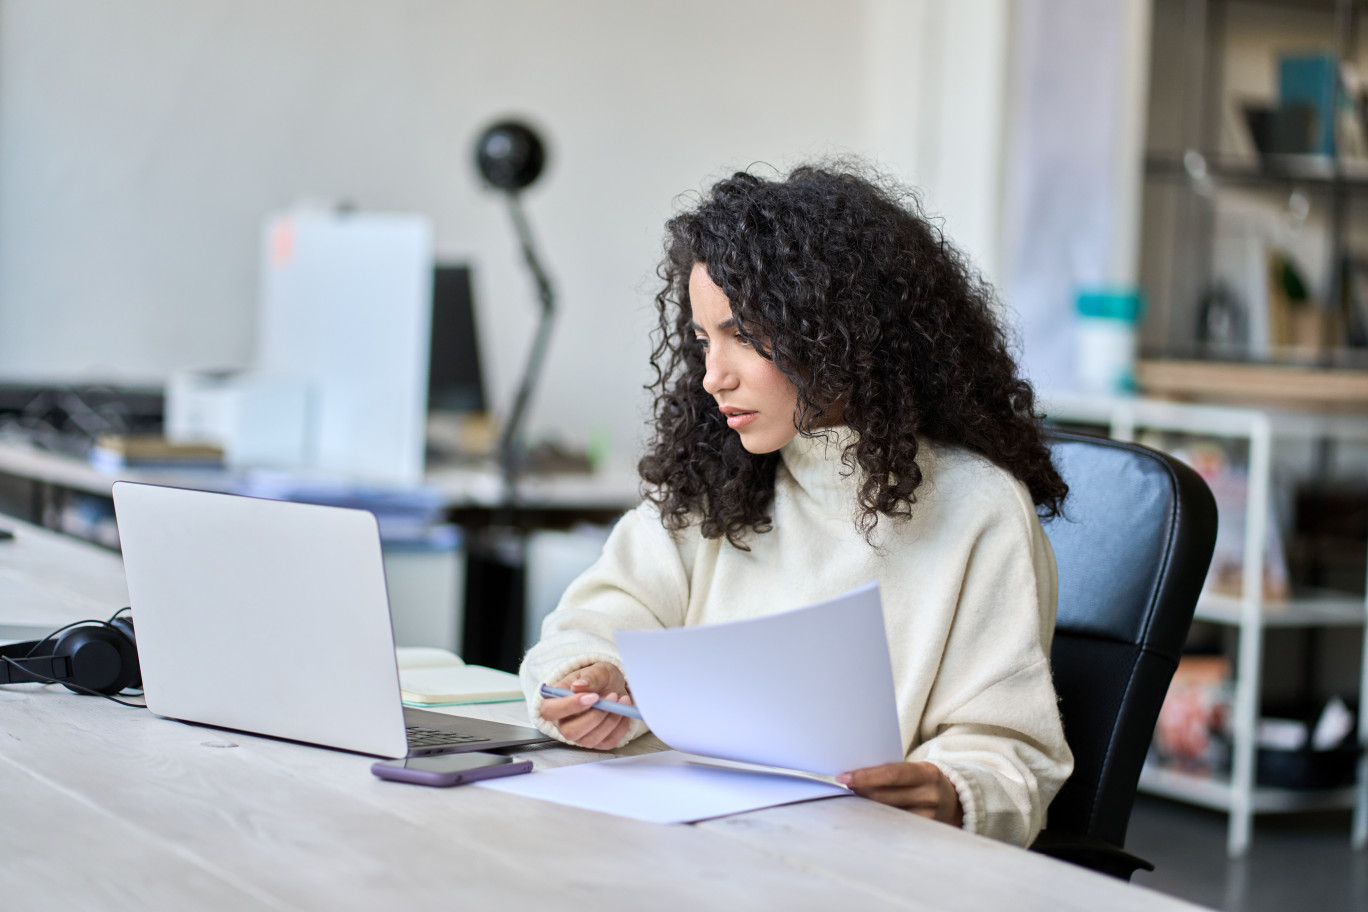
738, 418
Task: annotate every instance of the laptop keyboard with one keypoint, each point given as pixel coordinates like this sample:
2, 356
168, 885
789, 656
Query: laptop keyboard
431, 737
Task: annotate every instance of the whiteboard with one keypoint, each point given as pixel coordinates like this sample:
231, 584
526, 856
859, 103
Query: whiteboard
346, 307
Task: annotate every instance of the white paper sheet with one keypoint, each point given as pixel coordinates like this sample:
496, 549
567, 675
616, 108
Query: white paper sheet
664, 787
735, 690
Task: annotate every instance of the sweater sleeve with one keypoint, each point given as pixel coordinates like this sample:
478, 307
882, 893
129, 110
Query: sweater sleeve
992, 720
639, 583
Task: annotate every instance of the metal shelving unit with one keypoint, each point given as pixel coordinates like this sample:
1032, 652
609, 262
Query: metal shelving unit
1250, 614
1190, 165
1215, 793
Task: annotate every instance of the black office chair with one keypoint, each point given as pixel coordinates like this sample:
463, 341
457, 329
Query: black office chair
1132, 547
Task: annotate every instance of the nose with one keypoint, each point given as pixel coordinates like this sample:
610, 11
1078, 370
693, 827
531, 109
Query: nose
719, 376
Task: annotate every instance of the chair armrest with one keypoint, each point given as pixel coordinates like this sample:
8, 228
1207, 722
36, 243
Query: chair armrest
1095, 854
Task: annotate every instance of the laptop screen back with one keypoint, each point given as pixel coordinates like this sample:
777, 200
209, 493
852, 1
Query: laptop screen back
262, 616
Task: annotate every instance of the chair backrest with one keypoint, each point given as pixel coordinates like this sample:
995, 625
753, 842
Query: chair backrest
1133, 545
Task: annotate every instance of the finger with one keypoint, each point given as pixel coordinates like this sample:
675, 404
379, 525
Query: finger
616, 698
890, 774
579, 727
598, 677
588, 678
615, 739
601, 732
613, 736
556, 709
925, 798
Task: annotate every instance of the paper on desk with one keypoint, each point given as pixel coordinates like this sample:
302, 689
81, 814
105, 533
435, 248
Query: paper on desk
664, 787
809, 689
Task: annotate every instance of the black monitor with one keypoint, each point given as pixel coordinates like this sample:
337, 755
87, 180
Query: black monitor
455, 382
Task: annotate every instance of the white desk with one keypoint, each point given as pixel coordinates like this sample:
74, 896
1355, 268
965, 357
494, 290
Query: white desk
56, 489
106, 807
50, 579
463, 487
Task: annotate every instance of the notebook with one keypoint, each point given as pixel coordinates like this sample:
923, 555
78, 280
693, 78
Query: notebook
272, 618
438, 677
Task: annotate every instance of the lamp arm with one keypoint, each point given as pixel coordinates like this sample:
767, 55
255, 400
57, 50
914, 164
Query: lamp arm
511, 438
529, 252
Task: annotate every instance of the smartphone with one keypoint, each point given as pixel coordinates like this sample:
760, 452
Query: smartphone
444, 770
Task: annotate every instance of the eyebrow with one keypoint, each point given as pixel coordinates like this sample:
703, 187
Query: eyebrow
727, 324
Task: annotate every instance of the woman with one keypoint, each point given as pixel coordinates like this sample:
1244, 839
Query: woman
836, 404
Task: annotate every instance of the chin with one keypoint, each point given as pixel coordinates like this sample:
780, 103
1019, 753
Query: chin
768, 443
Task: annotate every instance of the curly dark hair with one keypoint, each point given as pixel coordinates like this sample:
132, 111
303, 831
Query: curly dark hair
880, 324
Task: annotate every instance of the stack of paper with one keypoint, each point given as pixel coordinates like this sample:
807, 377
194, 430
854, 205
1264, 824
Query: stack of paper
748, 707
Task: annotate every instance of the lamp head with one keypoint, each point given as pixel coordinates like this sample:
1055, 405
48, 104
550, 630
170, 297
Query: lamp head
510, 155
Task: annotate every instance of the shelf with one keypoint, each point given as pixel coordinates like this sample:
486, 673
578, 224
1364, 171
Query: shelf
1217, 794
1278, 172
1329, 609
1201, 418
1285, 385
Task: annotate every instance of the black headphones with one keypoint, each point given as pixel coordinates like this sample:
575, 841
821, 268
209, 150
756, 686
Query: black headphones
92, 657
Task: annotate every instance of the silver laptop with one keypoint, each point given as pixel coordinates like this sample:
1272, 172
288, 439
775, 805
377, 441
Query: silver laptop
272, 617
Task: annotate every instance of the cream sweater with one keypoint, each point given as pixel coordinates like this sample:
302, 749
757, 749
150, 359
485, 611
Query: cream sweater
968, 586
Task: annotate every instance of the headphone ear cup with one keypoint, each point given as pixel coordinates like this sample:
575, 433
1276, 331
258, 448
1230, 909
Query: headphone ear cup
99, 659
124, 625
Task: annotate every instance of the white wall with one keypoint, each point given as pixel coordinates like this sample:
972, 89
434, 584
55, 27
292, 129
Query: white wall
142, 143
936, 110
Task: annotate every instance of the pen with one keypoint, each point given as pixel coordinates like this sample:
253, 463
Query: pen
622, 709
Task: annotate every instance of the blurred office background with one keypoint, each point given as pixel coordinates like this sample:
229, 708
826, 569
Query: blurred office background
144, 143
1147, 182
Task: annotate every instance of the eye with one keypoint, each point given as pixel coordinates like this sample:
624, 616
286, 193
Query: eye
743, 341
702, 342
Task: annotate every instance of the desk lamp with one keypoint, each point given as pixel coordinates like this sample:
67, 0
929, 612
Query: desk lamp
510, 156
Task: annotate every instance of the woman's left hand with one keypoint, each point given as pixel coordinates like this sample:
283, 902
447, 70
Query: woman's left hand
917, 787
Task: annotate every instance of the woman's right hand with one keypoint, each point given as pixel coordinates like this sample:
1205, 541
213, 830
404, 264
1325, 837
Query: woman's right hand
576, 717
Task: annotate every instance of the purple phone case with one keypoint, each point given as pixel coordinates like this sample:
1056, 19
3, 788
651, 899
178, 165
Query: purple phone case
443, 780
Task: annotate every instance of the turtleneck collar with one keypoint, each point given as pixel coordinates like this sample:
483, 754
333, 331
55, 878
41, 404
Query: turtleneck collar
815, 462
